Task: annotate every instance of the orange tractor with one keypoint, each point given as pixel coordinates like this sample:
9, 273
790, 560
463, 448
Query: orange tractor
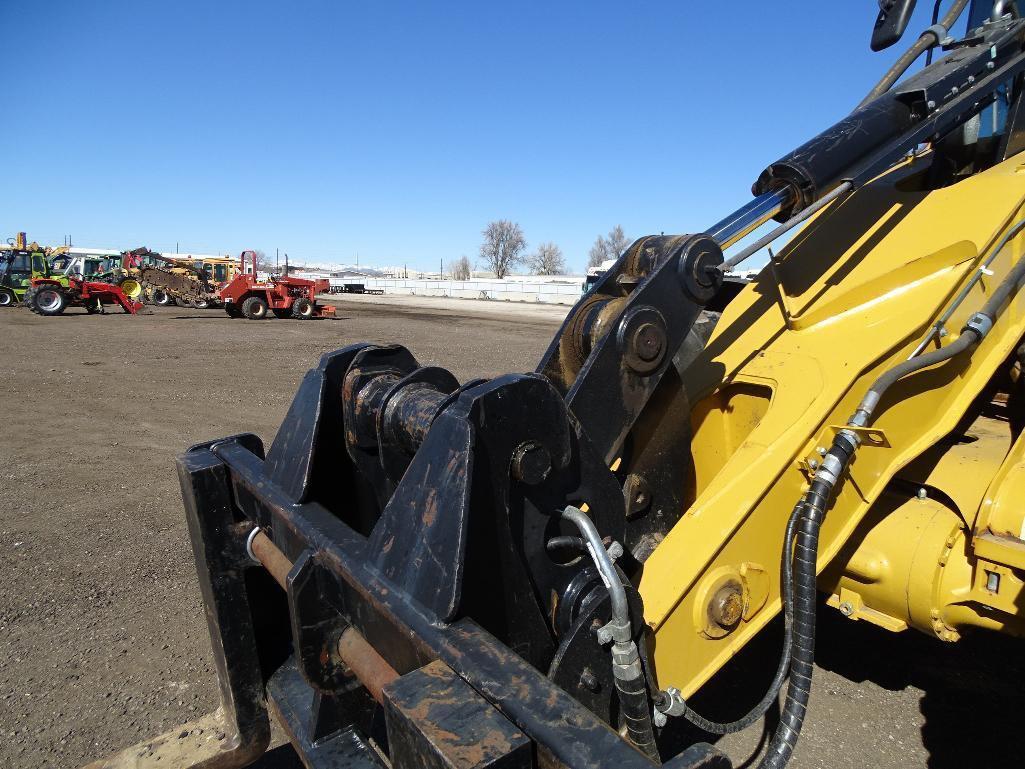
245, 296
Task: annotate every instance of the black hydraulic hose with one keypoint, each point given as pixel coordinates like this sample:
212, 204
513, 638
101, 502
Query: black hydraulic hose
771, 695
820, 495
816, 502
802, 653
1009, 285
565, 543
928, 39
973, 332
967, 339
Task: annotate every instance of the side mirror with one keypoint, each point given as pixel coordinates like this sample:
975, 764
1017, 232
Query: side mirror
891, 22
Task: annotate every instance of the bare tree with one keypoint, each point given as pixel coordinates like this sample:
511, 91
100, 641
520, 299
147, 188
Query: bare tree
599, 252
263, 264
460, 268
503, 246
547, 260
609, 247
617, 241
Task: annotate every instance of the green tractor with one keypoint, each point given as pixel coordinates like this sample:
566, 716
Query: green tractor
19, 264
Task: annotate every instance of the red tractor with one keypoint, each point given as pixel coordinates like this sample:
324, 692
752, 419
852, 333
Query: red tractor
50, 297
287, 297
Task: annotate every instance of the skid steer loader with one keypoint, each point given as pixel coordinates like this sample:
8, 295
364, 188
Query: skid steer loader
542, 569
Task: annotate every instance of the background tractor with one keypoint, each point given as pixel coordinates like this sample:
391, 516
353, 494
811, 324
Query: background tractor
284, 296
107, 269
20, 264
52, 297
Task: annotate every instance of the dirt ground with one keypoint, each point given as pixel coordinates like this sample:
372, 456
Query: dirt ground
102, 636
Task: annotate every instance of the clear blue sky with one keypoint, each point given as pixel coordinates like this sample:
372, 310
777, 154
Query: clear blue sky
400, 129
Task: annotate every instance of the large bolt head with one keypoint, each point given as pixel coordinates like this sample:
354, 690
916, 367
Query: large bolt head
648, 342
642, 339
727, 606
699, 268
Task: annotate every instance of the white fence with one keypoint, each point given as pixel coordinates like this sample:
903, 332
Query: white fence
545, 292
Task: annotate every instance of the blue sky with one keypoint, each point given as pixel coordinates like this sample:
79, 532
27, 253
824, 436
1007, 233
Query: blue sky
398, 130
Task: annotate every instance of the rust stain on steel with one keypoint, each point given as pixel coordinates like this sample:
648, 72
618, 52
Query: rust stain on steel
369, 667
464, 730
431, 507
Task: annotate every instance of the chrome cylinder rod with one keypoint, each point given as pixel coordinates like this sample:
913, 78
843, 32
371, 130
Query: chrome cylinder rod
748, 218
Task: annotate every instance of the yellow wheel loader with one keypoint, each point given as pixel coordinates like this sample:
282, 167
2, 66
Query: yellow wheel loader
544, 569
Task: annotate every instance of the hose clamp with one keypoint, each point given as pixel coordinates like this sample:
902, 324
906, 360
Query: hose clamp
851, 435
830, 469
980, 323
939, 32
671, 703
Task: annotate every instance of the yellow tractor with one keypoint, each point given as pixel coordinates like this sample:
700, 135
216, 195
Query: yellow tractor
544, 569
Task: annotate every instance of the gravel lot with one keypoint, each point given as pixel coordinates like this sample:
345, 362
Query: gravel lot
102, 637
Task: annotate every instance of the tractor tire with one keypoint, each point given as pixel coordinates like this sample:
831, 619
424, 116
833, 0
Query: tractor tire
283, 314
254, 308
50, 301
303, 309
201, 304
161, 298
7, 298
232, 309
28, 298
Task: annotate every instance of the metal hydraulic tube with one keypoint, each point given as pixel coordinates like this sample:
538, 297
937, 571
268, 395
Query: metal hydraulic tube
751, 216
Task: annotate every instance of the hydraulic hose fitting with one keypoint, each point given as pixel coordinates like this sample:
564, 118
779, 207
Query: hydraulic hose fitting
627, 670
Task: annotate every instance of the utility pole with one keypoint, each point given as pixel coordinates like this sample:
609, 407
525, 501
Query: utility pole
441, 269
277, 261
